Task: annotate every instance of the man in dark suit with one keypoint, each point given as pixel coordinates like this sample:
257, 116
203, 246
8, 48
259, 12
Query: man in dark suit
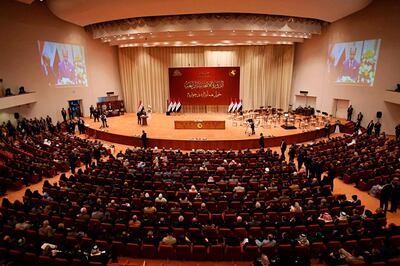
64, 114
328, 129
262, 141
144, 139
377, 129
386, 193
91, 109
370, 127
283, 148
394, 200
349, 113
360, 117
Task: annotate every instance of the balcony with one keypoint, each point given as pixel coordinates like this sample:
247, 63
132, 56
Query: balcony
17, 100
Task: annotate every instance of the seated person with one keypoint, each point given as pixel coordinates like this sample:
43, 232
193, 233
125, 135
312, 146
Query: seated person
21, 90
8, 92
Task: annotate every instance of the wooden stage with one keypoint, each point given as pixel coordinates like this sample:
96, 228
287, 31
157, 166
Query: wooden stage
161, 132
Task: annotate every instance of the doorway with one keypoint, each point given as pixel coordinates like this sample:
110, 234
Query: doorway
76, 107
340, 108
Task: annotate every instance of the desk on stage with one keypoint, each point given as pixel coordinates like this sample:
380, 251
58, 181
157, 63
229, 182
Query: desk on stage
199, 124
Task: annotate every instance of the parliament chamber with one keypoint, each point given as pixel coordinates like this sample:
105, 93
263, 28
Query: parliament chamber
221, 133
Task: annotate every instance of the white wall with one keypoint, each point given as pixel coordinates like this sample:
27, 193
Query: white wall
380, 20
21, 26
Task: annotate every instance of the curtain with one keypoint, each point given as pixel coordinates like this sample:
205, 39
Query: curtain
265, 72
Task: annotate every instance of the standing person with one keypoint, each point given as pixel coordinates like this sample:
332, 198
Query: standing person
96, 114
72, 161
91, 109
97, 155
70, 113
397, 130
377, 128
144, 139
103, 121
328, 129
370, 127
386, 193
139, 119
283, 148
301, 158
64, 114
349, 112
360, 117
87, 158
394, 199
262, 141
292, 152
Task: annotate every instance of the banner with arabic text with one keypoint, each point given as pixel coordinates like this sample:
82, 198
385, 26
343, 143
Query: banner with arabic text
204, 85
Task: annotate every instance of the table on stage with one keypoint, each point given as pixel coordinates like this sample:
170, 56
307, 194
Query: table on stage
199, 124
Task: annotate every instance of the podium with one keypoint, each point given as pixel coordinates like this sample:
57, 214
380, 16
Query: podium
144, 120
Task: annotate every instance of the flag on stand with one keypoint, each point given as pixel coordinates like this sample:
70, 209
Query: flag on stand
170, 103
235, 104
173, 109
230, 106
239, 107
178, 106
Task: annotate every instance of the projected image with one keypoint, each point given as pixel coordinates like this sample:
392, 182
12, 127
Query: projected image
63, 64
354, 62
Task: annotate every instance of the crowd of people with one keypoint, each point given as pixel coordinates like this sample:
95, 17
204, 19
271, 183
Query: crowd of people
217, 205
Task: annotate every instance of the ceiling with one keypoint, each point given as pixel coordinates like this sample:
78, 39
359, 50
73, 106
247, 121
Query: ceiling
149, 23
86, 12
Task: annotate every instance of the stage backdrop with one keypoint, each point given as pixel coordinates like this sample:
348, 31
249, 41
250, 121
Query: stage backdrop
265, 72
204, 85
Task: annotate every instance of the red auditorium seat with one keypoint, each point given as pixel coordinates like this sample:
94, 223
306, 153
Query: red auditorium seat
166, 252
183, 252
199, 252
285, 249
317, 248
233, 253
251, 253
216, 252
45, 261
148, 251
302, 251
61, 262
350, 245
132, 250
119, 247
268, 250
29, 258
395, 241
333, 245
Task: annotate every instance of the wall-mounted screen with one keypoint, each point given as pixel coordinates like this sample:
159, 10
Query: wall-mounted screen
354, 62
63, 64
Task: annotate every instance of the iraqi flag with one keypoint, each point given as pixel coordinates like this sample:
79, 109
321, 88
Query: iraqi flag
230, 106
239, 106
235, 105
173, 109
170, 103
140, 107
178, 106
